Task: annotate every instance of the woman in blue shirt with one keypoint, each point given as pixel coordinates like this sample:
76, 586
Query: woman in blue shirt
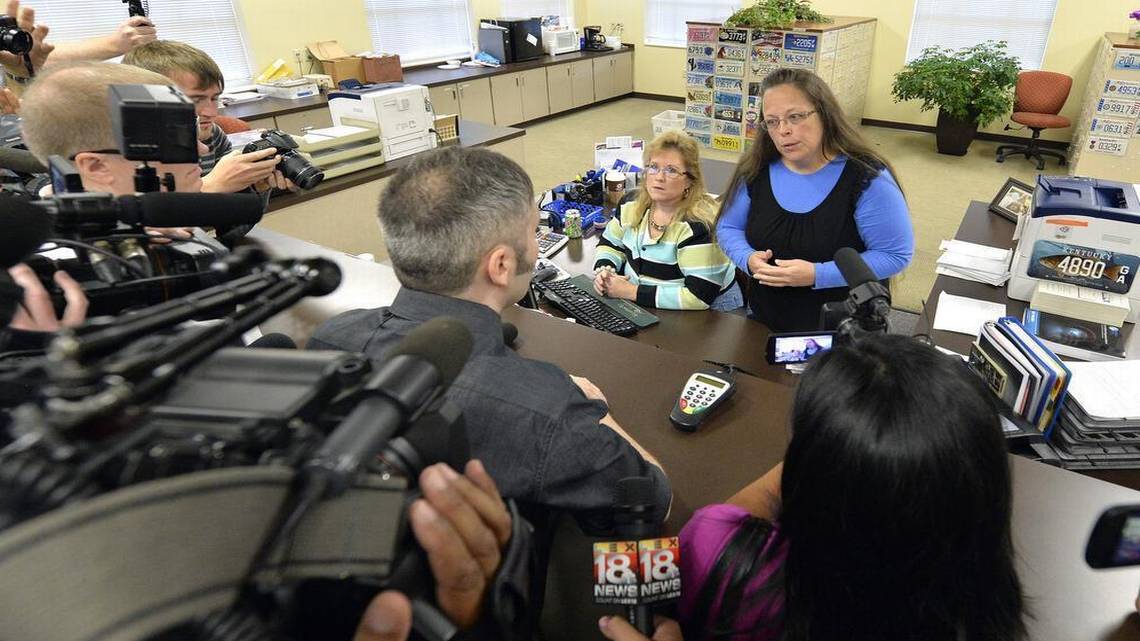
808, 186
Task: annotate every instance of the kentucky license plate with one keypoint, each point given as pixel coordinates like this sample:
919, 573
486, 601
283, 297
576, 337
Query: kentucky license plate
1085, 266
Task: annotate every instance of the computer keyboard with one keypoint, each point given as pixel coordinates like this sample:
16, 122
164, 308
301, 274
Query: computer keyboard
583, 307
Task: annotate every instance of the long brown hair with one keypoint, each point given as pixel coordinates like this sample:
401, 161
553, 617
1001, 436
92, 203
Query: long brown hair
839, 136
696, 206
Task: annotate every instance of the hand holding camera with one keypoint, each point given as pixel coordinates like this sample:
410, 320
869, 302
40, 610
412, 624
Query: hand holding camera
240, 169
136, 31
23, 49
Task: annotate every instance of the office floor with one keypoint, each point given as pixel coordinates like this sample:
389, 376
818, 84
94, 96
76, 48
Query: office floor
938, 188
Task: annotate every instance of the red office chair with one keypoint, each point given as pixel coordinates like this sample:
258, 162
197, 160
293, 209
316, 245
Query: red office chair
1039, 97
231, 125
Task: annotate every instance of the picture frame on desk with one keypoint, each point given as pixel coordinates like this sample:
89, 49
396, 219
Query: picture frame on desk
1014, 199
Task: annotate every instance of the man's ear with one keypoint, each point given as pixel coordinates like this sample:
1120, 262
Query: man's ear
500, 264
94, 170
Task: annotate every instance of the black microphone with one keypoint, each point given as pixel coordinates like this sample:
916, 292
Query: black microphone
417, 371
25, 226
636, 518
867, 292
510, 333
174, 209
273, 340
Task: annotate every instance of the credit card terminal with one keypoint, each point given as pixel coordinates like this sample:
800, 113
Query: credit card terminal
705, 391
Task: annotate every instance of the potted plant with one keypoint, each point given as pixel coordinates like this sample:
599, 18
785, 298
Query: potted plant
970, 87
775, 14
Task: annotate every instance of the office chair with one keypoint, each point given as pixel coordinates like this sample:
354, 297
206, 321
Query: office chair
1039, 96
231, 125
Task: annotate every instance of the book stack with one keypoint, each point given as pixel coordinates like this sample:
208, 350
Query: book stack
1021, 372
1084, 303
970, 261
1099, 424
1073, 337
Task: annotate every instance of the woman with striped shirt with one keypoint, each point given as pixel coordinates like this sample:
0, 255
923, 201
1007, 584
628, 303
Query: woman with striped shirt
658, 251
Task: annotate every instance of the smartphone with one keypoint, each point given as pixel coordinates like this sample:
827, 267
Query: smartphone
1115, 539
797, 347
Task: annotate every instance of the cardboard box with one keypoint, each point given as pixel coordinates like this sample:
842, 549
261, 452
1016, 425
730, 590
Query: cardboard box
336, 61
383, 69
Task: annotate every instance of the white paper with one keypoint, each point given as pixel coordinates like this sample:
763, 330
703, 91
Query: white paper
964, 248
619, 142
965, 315
973, 263
1106, 390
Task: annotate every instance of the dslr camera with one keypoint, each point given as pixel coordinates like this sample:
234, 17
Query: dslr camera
293, 165
13, 39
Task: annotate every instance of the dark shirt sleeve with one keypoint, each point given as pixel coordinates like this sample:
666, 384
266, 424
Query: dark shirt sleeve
585, 461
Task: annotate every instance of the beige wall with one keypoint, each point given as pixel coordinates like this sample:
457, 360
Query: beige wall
1077, 27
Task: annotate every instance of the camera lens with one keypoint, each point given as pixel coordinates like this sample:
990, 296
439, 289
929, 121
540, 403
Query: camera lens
300, 171
12, 38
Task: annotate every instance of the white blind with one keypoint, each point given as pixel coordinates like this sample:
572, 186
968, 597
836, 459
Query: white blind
665, 19
210, 25
420, 30
1024, 24
538, 8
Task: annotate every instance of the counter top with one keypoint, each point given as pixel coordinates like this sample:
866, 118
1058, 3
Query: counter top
471, 134
1122, 40
428, 76
840, 22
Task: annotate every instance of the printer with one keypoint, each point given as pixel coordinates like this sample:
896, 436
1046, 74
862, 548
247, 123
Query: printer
1082, 231
401, 113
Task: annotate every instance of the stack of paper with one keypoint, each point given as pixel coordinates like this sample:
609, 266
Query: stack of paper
970, 261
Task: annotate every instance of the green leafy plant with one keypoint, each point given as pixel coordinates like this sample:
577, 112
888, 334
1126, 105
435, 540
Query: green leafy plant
975, 83
775, 14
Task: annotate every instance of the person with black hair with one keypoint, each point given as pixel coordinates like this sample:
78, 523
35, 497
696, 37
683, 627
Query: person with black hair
808, 186
889, 518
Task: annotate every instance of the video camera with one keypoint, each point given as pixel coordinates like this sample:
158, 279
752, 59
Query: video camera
172, 487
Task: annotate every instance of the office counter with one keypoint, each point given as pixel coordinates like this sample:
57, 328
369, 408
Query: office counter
1053, 509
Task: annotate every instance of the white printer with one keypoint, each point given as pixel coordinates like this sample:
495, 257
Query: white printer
402, 113
1082, 231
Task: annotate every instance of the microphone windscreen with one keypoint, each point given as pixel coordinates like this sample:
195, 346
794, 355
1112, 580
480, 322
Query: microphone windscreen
510, 333
21, 160
444, 342
274, 340
854, 269
25, 227
176, 209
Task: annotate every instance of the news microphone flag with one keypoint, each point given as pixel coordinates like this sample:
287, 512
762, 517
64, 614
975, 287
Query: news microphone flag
637, 572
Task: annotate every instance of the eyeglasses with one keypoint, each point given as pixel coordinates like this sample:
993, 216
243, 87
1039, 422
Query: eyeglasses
793, 120
670, 171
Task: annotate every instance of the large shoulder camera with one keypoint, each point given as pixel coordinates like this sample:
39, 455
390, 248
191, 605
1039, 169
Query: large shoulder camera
293, 165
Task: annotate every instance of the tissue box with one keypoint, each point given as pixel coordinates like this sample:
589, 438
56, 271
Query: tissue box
383, 69
336, 61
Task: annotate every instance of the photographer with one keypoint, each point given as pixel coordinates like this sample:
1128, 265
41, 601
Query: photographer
66, 114
200, 78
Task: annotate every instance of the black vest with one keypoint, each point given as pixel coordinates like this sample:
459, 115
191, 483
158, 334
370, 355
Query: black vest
814, 236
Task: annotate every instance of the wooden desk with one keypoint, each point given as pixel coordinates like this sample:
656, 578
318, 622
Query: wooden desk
1053, 509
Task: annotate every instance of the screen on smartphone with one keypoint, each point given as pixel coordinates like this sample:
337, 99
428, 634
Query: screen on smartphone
1128, 549
797, 349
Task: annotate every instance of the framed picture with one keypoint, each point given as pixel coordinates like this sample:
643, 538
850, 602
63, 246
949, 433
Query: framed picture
1012, 200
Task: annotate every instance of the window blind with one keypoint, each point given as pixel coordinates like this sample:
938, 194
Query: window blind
1024, 24
665, 19
210, 25
538, 8
420, 30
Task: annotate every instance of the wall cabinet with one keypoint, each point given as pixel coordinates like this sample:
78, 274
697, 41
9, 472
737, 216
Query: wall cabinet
471, 99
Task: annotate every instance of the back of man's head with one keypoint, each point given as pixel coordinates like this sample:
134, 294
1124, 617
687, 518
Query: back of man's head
169, 57
65, 111
446, 209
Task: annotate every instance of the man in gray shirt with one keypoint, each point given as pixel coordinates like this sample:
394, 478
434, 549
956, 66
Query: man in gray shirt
459, 226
